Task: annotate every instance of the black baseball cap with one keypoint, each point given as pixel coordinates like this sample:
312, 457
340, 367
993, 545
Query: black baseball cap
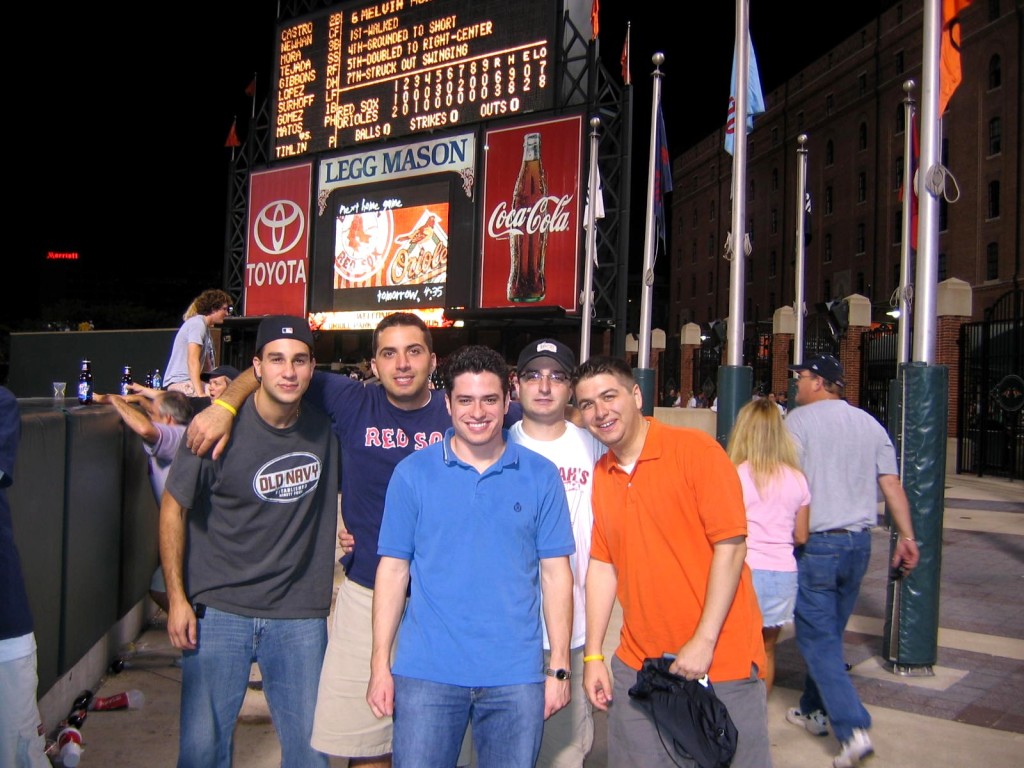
552, 348
277, 327
221, 370
827, 367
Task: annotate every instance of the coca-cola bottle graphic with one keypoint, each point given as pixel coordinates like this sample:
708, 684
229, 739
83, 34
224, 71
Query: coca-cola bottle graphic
528, 248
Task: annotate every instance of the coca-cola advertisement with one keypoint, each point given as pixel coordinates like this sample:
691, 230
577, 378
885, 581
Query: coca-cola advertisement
277, 251
531, 215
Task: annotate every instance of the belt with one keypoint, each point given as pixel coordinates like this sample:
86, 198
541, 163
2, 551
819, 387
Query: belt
834, 531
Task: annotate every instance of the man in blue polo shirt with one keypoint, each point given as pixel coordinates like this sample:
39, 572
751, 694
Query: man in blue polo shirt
473, 522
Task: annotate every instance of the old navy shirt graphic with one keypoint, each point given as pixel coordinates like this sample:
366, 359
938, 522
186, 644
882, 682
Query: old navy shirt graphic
286, 478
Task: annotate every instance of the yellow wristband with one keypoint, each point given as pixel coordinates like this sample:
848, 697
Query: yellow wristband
226, 406
593, 657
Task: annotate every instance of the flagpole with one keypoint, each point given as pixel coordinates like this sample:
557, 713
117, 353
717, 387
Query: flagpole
801, 249
910, 169
591, 250
734, 380
650, 242
646, 375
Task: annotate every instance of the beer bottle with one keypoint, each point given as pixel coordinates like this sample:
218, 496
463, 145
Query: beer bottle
126, 380
528, 249
85, 383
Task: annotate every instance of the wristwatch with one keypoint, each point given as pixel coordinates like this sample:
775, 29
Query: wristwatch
558, 674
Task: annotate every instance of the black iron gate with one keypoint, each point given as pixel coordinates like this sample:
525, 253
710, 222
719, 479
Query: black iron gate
757, 353
877, 369
705, 371
990, 422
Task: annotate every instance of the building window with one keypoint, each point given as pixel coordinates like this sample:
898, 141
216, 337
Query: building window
943, 268
830, 153
899, 13
862, 83
993, 200
860, 239
992, 262
694, 217
899, 173
711, 281
775, 221
750, 269
862, 136
772, 264
828, 290
750, 227
800, 119
711, 210
863, 38
775, 137
828, 201
860, 284
995, 136
771, 302
862, 187
995, 72
898, 229
828, 249
693, 285
711, 246
943, 214
895, 276
993, 10
693, 256
901, 119
899, 62
830, 104
750, 190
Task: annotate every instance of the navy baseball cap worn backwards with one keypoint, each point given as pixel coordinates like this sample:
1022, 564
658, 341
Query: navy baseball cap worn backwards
283, 327
221, 370
552, 348
827, 367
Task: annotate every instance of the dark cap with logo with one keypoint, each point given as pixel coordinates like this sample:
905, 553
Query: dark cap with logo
827, 367
283, 327
221, 370
552, 348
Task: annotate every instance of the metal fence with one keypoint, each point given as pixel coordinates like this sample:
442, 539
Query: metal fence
877, 370
991, 416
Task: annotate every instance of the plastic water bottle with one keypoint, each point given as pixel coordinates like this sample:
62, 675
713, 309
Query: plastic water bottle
158, 381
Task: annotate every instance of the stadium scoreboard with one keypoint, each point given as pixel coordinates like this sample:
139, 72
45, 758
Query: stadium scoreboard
365, 72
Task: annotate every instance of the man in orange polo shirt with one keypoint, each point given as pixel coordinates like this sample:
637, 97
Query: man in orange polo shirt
669, 541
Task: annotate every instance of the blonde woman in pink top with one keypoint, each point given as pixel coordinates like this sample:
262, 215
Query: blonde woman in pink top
778, 508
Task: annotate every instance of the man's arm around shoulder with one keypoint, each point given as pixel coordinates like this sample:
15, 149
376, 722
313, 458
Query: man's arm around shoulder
211, 427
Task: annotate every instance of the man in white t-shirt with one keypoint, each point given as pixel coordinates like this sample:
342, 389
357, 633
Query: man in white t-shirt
544, 377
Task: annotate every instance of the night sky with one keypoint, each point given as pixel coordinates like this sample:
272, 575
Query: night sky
123, 151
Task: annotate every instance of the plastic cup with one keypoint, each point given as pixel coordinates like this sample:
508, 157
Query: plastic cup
60, 390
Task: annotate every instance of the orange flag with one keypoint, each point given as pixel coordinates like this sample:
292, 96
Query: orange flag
595, 11
950, 73
233, 135
624, 58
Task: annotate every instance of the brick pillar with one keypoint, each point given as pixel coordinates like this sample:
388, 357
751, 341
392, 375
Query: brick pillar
689, 343
849, 356
953, 307
781, 344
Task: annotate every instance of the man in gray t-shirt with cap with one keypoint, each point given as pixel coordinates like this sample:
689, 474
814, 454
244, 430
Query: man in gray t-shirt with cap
247, 545
847, 457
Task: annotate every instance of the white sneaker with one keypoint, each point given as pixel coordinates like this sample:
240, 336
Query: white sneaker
854, 750
815, 722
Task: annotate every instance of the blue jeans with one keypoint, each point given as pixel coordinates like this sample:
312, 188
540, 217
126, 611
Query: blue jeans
214, 678
829, 569
431, 718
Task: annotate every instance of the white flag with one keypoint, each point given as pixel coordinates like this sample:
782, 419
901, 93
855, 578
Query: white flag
599, 205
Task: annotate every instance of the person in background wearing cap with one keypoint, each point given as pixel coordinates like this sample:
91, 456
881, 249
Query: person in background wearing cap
479, 527
544, 381
844, 451
159, 417
218, 379
377, 427
669, 541
247, 545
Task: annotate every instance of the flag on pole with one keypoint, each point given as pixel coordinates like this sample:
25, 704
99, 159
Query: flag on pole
911, 168
755, 99
807, 218
662, 178
232, 140
950, 73
624, 58
595, 11
250, 89
598, 204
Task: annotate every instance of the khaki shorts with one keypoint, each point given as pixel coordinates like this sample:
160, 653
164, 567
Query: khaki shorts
343, 724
